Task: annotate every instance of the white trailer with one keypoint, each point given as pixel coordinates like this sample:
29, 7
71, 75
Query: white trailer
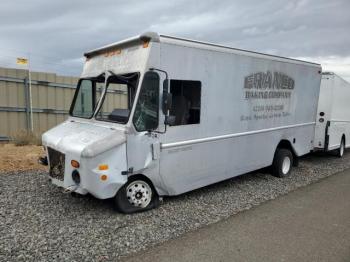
332, 130
156, 115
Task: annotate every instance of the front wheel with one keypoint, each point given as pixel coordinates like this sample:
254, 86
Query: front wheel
282, 162
135, 196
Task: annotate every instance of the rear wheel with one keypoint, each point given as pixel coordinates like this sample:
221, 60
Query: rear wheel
135, 196
282, 162
341, 149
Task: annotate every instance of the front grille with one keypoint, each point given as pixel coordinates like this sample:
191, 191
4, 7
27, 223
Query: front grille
56, 161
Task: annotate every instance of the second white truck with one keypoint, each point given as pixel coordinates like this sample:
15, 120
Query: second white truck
332, 132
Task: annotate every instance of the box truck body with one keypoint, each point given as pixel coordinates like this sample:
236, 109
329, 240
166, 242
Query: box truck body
188, 114
332, 130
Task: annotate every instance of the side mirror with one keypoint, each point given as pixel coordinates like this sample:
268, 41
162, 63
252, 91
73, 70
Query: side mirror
167, 98
169, 120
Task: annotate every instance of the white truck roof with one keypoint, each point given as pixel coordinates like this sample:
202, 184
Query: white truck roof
155, 37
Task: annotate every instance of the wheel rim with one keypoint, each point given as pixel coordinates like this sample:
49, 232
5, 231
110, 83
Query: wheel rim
286, 165
342, 148
139, 193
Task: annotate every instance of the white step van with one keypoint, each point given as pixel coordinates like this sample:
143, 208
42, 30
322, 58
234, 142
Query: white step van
156, 115
332, 130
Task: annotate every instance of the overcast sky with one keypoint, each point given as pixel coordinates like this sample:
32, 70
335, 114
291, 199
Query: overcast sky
57, 33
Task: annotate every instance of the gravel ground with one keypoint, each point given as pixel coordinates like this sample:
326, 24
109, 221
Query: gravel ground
40, 223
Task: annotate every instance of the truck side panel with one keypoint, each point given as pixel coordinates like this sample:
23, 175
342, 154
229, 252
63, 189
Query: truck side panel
241, 119
340, 113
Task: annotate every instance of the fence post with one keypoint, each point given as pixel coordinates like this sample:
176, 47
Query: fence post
27, 103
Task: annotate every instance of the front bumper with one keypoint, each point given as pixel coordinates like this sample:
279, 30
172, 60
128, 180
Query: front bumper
73, 188
90, 176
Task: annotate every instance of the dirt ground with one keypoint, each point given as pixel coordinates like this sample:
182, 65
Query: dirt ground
20, 158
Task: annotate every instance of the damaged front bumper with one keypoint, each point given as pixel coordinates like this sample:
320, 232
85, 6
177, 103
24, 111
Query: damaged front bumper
88, 178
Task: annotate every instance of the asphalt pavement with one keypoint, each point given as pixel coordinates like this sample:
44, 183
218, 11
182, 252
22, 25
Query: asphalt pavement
311, 223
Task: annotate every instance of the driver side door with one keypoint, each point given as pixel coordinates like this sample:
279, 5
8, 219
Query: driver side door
143, 145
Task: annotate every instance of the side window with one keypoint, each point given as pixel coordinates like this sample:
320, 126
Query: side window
147, 107
186, 104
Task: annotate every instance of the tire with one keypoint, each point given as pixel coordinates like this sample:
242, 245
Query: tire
341, 149
282, 162
136, 195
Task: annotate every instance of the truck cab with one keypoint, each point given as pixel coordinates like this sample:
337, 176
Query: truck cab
112, 130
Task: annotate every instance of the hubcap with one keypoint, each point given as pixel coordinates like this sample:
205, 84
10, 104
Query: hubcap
139, 193
286, 165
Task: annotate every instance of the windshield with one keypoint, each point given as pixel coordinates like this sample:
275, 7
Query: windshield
87, 95
119, 98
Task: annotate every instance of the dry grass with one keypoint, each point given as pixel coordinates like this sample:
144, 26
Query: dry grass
20, 158
24, 137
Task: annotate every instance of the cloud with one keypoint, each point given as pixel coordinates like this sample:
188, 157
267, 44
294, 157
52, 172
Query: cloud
57, 33
339, 65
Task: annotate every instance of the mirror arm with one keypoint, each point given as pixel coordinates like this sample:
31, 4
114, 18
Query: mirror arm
167, 80
160, 70
157, 132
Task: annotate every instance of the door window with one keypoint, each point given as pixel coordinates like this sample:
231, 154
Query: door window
147, 107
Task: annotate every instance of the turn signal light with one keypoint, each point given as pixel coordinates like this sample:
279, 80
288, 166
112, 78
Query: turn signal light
75, 164
103, 177
103, 167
